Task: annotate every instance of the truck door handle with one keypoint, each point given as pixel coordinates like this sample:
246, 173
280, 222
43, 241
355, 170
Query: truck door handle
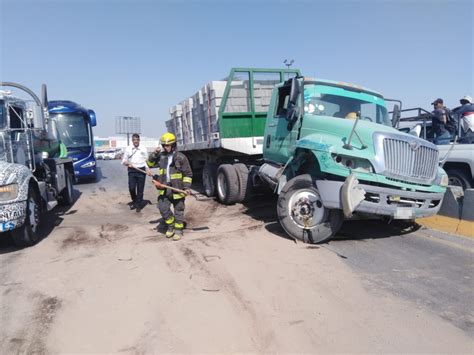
268, 141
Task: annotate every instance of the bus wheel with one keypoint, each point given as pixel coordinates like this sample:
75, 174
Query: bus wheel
27, 234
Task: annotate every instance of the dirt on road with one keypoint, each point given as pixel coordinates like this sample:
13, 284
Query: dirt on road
104, 280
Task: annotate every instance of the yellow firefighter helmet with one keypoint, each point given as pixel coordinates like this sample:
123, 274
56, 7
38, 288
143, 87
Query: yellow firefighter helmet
167, 138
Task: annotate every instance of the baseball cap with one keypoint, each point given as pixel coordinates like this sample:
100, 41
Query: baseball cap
466, 98
437, 101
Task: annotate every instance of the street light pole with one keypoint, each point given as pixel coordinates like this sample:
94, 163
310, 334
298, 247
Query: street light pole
288, 64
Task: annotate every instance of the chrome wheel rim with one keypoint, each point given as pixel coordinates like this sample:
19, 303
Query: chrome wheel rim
306, 209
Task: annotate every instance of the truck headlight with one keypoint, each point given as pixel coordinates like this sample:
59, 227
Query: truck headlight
444, 180
88, 165
353, 163
8, 192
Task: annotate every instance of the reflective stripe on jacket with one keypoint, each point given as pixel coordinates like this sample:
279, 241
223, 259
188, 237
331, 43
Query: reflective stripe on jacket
180, 171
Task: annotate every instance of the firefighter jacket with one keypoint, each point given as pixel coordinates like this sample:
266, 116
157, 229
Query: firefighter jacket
180, 173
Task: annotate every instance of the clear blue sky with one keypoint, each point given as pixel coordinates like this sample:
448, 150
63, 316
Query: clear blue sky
141, 57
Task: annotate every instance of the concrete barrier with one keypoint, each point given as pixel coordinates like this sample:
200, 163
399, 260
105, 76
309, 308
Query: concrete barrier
467, 213
452, 202
456, 214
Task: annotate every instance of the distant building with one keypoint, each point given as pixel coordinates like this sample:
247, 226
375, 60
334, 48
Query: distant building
103, 143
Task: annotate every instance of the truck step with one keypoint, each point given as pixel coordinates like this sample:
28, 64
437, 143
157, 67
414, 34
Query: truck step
51, 205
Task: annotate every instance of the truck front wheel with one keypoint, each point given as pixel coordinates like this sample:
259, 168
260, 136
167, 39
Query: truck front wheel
302, 214
27, 234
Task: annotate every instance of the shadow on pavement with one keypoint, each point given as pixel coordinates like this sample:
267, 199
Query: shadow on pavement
50, 220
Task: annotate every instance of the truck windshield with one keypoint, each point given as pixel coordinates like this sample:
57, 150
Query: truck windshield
73, 129
340, 102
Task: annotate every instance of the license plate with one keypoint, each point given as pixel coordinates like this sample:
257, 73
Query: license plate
403, 213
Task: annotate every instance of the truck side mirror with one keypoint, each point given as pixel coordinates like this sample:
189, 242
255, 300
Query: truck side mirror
395, 115
295, 90
294, 110
92, 118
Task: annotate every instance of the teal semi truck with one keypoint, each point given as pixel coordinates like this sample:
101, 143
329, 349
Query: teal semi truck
328, 149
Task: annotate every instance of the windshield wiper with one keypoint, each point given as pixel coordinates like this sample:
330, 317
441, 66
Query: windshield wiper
348, 145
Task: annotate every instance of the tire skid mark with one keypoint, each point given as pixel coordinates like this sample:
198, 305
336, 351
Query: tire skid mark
226, 283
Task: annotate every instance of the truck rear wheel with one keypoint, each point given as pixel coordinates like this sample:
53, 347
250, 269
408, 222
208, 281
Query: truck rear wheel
302, 214
227, 184
245, 185
27, 234
209, 173
67, 197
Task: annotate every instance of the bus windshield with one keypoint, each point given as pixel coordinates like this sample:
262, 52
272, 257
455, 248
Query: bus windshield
73, 129
339, 102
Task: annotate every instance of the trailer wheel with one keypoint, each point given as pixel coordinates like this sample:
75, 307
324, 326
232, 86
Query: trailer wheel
227, 184
27, 235
209, 173
67, 197
302, 214
245, 185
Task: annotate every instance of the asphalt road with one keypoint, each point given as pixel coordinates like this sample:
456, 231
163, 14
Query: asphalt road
432, 269
103, 280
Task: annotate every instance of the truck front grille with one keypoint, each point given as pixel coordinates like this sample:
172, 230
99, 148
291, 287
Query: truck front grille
411, 161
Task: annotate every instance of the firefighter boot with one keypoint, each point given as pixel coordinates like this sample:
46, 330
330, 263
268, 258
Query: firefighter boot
178, 234
170, 232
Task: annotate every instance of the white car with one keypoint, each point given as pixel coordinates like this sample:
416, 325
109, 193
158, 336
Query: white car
99, 155
110, 154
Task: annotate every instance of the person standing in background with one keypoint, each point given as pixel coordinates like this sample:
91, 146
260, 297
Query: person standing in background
135, 156
466, 116
439, 121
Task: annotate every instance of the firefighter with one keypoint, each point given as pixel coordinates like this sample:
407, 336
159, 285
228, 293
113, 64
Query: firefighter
173, 170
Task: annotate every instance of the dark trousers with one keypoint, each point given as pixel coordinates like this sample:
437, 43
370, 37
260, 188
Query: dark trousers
164, 205
136, 185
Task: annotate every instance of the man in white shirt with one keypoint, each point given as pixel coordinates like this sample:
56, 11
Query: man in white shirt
135, 156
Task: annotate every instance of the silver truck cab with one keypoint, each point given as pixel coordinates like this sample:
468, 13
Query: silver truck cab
34, 176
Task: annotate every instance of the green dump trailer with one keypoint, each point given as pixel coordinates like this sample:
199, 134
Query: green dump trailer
224, 121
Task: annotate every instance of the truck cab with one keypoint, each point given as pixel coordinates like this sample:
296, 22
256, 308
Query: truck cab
331, 153
34, 174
